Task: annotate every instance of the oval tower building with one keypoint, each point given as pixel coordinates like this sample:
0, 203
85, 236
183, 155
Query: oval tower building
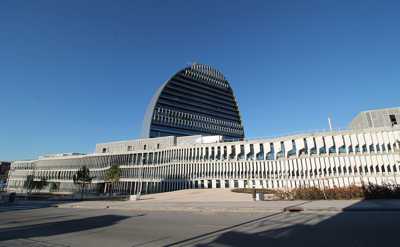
197, 100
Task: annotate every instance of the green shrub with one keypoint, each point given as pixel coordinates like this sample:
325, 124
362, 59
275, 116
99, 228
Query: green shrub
251, 191
311, 193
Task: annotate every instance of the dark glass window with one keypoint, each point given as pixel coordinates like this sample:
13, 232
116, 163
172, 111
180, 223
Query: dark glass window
393, 120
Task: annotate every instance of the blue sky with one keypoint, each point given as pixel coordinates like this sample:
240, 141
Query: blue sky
75, 73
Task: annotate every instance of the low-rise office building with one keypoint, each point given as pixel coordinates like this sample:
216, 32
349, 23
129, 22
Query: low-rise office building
194, 139
326, 159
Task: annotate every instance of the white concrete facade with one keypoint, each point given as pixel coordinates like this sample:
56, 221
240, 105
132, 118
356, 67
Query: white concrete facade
387, 117
327, 159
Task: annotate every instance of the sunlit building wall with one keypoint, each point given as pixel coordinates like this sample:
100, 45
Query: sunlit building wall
324, 160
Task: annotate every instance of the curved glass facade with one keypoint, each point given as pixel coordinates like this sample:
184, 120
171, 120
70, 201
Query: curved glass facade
196, 100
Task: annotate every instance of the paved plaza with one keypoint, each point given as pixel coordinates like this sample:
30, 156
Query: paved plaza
224, 200
199, 218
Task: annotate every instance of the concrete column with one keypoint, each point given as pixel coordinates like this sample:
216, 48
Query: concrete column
237, 151
256, 147
361, 141
310, 144
299, 145
246, 150
277, 148
288, 146
329, 142
347, 142
267, 149
319, 144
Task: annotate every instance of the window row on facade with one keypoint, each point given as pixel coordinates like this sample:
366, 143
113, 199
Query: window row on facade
165, 112
306, 168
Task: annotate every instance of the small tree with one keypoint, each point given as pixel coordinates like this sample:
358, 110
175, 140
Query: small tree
3, 180
113, 175
29, 184
54, 186
82, 178
39, 185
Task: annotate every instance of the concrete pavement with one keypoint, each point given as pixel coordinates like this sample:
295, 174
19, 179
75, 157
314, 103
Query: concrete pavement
121, 228
199, 218
227, 201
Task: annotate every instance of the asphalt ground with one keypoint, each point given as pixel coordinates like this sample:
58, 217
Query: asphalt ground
40, 224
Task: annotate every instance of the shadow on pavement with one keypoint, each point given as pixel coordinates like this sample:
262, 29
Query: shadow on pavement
59, 227
34, 218
379, 205
351, 227
27, 205
21, 203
